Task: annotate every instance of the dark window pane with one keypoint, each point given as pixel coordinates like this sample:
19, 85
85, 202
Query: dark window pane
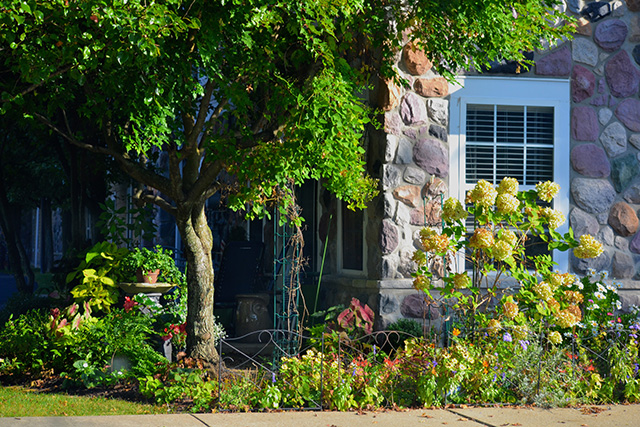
352, 234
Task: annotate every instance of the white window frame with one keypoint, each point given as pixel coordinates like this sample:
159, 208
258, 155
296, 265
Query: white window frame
341, 269
516, 91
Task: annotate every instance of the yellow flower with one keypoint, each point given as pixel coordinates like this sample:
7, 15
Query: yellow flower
567, 318
554, 337
547, 190
482, 238
520, 332
421, 283
494, 326
554, 305
508, 186
461, 280
507, 236
555, 281
420, 258
554, 218
501, 250
510, 309
453, 211
575, 310
573, 297
483, 194
543, 290
568, 279
427, 238
588, 248
441, 243
507, 203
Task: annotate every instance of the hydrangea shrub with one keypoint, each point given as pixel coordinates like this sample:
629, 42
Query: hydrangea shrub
520, 286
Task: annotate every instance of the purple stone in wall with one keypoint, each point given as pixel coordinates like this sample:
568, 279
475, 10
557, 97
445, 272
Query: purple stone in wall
416, 306
431, 155
634, 246
600, 100
622, 76
628, 112
556, 63
583, 83
413, 109
388, 237
590, 160
610, 35
584, 124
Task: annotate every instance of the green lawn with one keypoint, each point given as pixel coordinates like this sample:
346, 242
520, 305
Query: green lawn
22, 402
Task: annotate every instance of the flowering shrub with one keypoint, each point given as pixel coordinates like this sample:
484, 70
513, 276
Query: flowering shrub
505, 220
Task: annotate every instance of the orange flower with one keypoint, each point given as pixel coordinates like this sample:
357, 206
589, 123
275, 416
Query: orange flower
455, 332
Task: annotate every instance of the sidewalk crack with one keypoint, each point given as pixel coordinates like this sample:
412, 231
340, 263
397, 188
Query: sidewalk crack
471, 418
196, 417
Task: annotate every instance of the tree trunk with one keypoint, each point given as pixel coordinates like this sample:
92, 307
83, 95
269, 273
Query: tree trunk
198, 242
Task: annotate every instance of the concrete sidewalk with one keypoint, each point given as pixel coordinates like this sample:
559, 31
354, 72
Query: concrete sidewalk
588, 416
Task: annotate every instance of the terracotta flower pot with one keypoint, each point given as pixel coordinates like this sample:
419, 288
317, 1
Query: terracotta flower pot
150, 277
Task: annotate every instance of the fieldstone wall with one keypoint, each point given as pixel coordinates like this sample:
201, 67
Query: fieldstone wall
603, 63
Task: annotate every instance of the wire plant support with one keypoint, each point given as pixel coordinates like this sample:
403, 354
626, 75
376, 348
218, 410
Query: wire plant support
287, 264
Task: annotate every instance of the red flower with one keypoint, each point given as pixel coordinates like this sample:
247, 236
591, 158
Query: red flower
129, 304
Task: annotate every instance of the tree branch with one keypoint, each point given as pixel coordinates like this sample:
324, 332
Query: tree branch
202, 113
37, 85
133, 169
208, 174
148, 197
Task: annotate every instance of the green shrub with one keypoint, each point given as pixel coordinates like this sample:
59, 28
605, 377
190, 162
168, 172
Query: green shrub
95, 279
27, 347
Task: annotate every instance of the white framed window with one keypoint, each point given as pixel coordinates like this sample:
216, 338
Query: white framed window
516, 127
352, 256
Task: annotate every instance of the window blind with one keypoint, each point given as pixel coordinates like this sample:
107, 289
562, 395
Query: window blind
504, 140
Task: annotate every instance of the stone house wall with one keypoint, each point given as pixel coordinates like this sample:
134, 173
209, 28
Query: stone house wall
411, 156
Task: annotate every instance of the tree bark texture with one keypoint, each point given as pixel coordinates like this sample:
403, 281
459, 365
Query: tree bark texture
198, 241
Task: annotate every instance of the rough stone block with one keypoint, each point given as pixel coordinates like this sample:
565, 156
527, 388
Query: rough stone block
623, 219
557, 63
610, 34
624, 170
583, 83
628, 112
622, 77
415, 60
593, 195
583, 223
614, 139
436, 87
584, 124
590, 160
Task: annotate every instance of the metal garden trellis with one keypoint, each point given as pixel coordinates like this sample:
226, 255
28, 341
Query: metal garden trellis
287, 263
